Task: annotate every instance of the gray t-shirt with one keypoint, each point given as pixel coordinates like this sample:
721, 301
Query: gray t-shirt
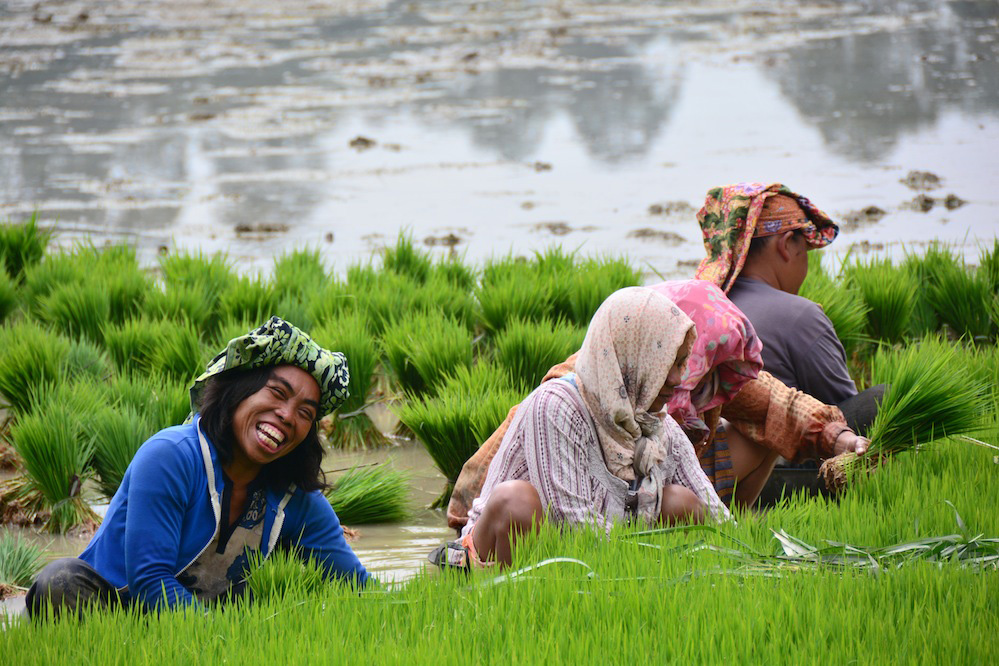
800, 346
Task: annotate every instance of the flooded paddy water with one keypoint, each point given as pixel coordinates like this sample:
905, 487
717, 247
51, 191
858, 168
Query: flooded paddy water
256, 127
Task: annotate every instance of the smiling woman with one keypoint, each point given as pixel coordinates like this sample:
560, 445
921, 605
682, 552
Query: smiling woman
242, 477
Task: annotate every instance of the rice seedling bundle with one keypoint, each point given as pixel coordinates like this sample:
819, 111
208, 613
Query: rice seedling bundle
56, 461
30, 358
844, 306
348, 333
85, 360
248, 299
421, 349
133, 343
988, 264
335, 299
962, 298
295, 309
22, 246
890, 296
406, 259
931, 394
8, 295
179, 353
54, 270
78, 310
19, 562
183, 270
454, 271
232, 328
385, 299
194, 302
285, 574
364, 495
298, 274
117, 434
162, 401
440, 295
116, 269
528, 349
516, 294
925, 270
592, 281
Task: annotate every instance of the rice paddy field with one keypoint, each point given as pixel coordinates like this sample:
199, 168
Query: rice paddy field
97, 352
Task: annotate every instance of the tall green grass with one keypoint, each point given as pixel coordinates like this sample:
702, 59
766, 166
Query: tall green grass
30, 358
528, 349
78, 310
961, 298
211, 274
22, 246
84, 360
298, 274
117, 435
162, 400
8, 295
842, 303
593, 280
248, 299
513, 290
19, 562
365, 495
179, 353
405, 259
133, 343
890, 296
420, 350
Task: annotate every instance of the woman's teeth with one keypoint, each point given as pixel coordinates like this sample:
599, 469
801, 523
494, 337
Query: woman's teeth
272, 437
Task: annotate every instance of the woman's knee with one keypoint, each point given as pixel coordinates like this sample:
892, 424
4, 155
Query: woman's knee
67, 584
517, 503
680, 505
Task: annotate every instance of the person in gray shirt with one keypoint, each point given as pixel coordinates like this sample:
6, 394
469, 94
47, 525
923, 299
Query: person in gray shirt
758, 238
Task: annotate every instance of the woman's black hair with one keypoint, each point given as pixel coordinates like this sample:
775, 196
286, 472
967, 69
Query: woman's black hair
759, 242
222, 395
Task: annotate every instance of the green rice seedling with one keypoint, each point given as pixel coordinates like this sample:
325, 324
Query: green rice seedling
350, 427
248, 299
192, 302
161, 400
527, 349
78, 310
22, 246
230, 329
890, 296
364, 495
85, 360
117, 434
334, 300
182, 270
385, 299
842, 303
406, 259
453, 270
299, 274
961, 299
55, 270
83, 397
931, 394
132, 343
30, 358
56, 461
19, 562
420, 350
988, 264
437, 294
555, 268
592, 281
926, 270
8, 295
179, 353
127, 290
514, 294
284, 574
296, 310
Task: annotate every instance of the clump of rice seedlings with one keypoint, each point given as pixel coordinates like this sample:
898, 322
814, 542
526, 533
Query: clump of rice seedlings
163, 401
30, 358
925, 270
437, 294
988, 264
592, 281
212, 275
842, 303
83, 397
335, 299
22, 246
179, 353
455, 272
930, 395
132, 343
421, 349
248, 299
890, 296
19, 562
55, 270
555, 267
298, 274
283, 574
78, 310
294, 309
514, 292
385, 299
350, 427
230, 329
85, 360
8, 295
453, 424
193, 302
960, 297
370, 495
117, 435
405, 259
55, 459
528, 349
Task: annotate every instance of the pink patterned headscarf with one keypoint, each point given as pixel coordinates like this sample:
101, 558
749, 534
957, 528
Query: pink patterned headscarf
630, 347
729, 221
726, 353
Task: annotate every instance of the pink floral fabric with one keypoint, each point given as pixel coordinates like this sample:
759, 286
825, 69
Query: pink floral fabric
630, 347
724, 356
728, 222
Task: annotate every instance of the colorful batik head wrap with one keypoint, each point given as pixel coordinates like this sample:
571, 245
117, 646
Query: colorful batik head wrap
280, 343
732, 217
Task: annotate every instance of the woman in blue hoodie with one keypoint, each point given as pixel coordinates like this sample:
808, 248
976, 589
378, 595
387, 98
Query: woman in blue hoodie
242, 476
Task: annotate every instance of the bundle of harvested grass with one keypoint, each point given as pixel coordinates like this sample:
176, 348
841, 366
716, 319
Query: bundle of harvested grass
514, 290
299, 273
593, 280
8, 294
132, 343
179, 353
528, 349
19, 562
117, 434
214, 274
22, 246
842, 303
370, 495
890, 296
78, 310
405, 259
930, 395
248, 299
29, 358
421, 349
162, 400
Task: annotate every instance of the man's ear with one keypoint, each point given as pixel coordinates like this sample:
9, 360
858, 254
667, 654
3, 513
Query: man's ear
783, 242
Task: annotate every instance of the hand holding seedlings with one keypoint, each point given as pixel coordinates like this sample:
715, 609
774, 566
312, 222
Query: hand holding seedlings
850, 442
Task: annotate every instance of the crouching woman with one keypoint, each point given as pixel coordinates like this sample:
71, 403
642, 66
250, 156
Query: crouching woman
243, 477
594, 447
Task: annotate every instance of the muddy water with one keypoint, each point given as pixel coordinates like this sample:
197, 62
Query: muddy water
256, 127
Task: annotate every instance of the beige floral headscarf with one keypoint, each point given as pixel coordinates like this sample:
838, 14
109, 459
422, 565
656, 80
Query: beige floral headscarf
630, 346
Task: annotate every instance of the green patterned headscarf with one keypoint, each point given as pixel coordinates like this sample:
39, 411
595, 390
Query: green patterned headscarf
279, 343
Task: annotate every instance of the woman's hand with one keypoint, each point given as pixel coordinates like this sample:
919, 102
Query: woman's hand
849, 441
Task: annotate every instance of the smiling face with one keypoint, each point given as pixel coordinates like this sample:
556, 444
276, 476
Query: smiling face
270, 423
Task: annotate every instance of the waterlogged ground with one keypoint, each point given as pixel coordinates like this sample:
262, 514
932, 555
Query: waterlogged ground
258, 126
